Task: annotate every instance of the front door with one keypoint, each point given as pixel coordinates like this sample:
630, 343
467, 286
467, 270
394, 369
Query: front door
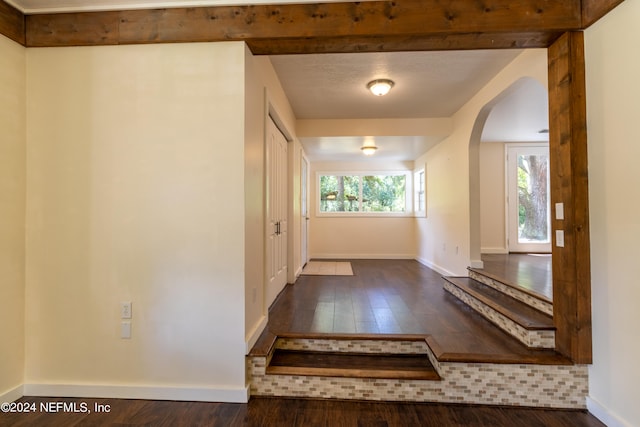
276, 204
528, 198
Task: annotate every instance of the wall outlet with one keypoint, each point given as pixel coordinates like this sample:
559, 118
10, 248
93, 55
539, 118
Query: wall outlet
125, 310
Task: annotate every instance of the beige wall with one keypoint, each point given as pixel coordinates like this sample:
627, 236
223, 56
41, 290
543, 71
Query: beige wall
445, 235
12, 205
613, 108
492, 198
359, 237
262, 87
136, 192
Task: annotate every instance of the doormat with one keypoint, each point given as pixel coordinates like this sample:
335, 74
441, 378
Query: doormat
327, 268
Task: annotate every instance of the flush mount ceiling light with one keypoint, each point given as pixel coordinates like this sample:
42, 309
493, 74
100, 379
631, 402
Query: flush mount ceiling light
369, 148
380, 87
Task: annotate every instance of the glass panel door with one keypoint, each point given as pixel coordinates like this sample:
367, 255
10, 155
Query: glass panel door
528, 198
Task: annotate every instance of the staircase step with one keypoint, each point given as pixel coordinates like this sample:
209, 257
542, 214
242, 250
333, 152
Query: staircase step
352, 365
520, 293
521, 313
531, 327
299, 371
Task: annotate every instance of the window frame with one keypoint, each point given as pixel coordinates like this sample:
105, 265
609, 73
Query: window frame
420, 182
408, 199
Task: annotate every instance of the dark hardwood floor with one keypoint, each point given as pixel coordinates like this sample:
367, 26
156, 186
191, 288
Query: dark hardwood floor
292, 412
532, 272
395, 297
383, 297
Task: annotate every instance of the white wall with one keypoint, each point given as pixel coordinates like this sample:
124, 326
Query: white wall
357, 236
255, 314
12, 205
261, 87
492, 198
135, 192
444, 236
613, 108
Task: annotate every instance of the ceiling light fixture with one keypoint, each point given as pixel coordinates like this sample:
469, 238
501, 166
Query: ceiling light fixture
369, 148
380, 87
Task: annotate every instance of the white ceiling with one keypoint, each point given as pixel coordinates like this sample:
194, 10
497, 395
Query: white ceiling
428, 85
51, 6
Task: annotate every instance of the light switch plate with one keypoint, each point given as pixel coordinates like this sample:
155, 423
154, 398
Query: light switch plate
125, 330
560, 238
559, 210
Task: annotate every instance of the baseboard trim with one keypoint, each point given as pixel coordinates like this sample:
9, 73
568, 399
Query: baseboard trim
603, 414
226, 395
363, 256
476, 264
500, 251
255, 333
12, 394
435, 267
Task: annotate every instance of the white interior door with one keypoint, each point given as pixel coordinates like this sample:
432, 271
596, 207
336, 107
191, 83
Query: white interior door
276, 201
304, 210
529, 219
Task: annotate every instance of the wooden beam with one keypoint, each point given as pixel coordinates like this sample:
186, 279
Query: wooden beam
404, 43
12, 23
569, 185
325, 27
593, 10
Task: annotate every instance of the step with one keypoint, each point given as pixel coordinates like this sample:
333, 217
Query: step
352, 365
530, 326
521, 294
551, 381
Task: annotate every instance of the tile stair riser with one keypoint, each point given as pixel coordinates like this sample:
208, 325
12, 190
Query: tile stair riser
353, 345
532, 339
359, 346
536, 303
472, 383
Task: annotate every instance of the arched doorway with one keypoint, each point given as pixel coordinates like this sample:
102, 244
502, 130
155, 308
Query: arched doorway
519, 114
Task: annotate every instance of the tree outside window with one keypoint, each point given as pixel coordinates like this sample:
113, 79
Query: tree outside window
379, 193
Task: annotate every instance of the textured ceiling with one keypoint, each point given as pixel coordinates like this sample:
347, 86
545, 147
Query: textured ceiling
427, 84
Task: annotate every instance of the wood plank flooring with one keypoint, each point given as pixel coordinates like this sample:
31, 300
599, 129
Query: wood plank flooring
395, 297
521, 313
531, 272
352, 365
269, 412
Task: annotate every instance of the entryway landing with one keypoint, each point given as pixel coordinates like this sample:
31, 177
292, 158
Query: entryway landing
529, 272
390, 308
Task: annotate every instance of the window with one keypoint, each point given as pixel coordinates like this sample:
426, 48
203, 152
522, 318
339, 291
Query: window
364, 193
420, 194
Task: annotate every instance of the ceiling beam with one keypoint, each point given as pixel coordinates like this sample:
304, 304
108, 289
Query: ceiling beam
325, 27
593, 10
12, 23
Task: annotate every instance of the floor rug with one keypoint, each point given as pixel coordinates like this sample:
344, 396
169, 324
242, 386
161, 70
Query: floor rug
328, 268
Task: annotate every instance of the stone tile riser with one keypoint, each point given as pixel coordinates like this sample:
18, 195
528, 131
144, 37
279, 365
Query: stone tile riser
536, 303
533, 339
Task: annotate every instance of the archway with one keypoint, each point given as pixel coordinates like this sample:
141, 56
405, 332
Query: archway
517, 114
